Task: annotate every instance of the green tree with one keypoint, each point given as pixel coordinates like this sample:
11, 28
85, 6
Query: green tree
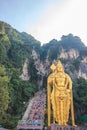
20, 92
33, 71
80, 98
4, 94
2, 53
2, 29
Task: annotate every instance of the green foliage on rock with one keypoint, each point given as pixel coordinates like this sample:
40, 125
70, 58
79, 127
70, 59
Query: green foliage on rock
80, 98
2, 29
71, 41
76, 63
33, 71
4, 94
19, 92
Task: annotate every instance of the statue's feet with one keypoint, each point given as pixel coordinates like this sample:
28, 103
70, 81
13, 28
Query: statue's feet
65, 124
74, 125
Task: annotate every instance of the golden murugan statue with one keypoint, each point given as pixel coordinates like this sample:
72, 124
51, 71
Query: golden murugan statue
59, 88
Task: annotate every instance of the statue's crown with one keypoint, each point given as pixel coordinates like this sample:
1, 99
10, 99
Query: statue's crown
59, 64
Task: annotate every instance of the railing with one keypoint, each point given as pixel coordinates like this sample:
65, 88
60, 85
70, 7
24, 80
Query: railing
57, 127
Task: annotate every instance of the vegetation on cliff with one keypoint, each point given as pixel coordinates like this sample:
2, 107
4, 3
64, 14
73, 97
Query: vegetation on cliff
15, 47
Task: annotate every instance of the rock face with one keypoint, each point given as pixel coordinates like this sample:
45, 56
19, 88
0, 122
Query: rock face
71, 57
24, 75
41, 66
71, 65
71, 54
82, 70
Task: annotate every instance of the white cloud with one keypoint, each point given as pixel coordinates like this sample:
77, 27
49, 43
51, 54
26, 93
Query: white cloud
62, 18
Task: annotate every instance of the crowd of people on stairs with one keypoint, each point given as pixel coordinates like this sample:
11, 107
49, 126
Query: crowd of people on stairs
34, 114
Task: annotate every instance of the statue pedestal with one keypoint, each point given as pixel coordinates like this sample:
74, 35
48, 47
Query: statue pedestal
58, 127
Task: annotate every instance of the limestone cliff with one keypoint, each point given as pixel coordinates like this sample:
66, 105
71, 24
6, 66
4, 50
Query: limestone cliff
71, 54
76, 68
24, 75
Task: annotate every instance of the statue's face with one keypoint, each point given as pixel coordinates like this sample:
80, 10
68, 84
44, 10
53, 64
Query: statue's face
59, 69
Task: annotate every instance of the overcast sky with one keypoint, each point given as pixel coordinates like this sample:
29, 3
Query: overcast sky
46, 19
